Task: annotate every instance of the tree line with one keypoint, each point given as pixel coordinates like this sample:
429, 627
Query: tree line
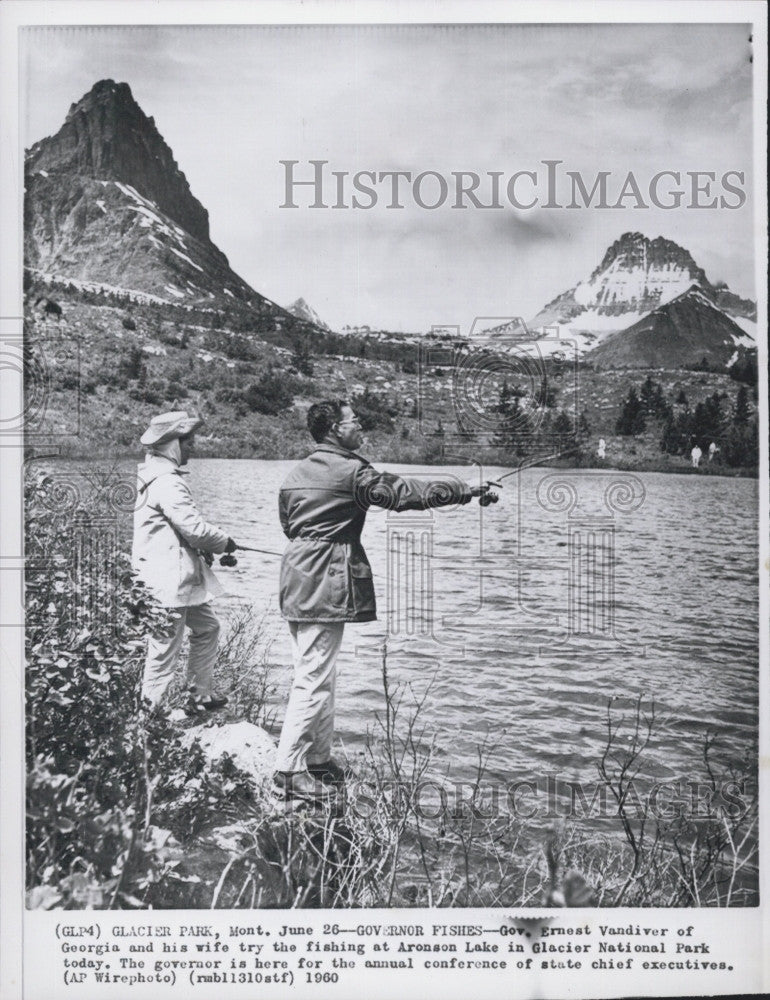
730, 424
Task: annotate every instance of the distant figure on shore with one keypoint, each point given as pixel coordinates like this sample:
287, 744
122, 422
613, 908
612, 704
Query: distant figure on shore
601, 450
712, 451
696, 454
172, 551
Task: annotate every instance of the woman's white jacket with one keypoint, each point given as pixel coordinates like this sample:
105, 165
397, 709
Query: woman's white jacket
169, 536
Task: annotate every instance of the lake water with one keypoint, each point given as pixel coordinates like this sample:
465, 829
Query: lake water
526, 616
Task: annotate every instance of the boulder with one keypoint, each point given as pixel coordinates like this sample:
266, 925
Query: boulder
249, 746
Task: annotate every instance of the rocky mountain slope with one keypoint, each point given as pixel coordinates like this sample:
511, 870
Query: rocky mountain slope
636, 276
681, 332
108, 209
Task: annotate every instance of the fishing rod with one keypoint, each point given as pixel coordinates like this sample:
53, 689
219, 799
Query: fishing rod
486, 498
491, 497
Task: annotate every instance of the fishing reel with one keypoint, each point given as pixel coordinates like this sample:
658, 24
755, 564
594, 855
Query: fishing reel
228, 559
489, 496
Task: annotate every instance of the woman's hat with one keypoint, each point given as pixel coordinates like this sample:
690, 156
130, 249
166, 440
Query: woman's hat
164, 427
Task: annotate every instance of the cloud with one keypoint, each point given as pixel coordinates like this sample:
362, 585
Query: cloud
232, 102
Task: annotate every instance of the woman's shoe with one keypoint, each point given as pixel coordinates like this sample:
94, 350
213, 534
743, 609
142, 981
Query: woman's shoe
196, 706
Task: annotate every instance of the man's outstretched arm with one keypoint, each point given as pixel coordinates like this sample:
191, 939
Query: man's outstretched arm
399, 493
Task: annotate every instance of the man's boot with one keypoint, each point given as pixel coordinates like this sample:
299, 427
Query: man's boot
302, 785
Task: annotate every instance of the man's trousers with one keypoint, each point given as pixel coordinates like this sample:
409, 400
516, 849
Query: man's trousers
308, 728
163, 653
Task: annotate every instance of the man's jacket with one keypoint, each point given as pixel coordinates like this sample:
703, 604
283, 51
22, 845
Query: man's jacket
168, 531
325, 575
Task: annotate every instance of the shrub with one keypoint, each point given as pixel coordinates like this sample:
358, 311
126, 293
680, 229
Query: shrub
273, 392
153, 392
131, 363
233, 346
172, 339
175, 389
301, 358
374, 410
101, 773
745, 368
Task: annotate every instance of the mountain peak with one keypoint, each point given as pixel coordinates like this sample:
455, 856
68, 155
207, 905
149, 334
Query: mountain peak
107, 136
634, 249
103, 91
636, 276
302, 310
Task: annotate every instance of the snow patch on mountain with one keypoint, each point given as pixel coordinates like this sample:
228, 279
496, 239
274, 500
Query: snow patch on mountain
618, 285
133, 294
185, 257
749, 327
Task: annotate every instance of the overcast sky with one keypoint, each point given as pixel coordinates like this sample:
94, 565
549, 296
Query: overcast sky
232, 102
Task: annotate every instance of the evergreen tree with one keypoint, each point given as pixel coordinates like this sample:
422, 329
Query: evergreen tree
504, 398
301, 358
514, 431
745, 368
631, 420
741, 446
563, 430
660, 405
562, 424
708, 420
677, 433
647, 394
742, 410
132, 364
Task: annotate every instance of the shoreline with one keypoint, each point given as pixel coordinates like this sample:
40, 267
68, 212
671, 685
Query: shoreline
665, 468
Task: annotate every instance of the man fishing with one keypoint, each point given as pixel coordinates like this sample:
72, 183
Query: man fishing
326, 580
172, 551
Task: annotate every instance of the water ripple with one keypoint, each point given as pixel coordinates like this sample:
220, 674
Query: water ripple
511, 661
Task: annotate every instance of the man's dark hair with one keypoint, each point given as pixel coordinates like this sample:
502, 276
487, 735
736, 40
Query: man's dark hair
322, 416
